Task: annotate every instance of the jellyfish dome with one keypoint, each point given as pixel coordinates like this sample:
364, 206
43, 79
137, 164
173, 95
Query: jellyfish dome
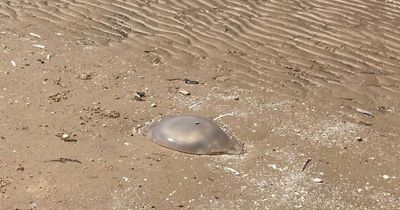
194, 135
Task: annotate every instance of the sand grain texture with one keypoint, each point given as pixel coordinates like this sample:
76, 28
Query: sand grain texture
293, 80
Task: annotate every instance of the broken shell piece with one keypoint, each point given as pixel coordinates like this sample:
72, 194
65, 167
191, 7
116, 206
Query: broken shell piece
237, 173
139, 96
38, 46
317, 180
194, 135
184, 92
362, 111
35, 35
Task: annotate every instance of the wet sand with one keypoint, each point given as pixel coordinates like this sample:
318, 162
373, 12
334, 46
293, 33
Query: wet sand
311, 88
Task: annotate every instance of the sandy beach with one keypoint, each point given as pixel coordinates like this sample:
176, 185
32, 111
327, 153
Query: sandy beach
310, 88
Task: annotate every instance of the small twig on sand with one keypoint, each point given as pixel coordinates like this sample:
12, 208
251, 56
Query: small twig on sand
224, 115
173, 79
185, 80
64, 160
306, 164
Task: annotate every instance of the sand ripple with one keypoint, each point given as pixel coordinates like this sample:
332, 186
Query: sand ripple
347, 49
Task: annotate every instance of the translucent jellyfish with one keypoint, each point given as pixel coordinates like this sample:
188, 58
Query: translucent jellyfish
194, 135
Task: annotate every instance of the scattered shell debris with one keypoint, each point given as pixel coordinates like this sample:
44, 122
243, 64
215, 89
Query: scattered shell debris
318, 180
33, 205
35, 35
362, 111
139, 96
195, 106
184, 92
38, 46
273, 166
231, 170
224, 115
65, 137
258, 174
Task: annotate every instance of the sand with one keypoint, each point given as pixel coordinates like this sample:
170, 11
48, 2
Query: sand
311, 88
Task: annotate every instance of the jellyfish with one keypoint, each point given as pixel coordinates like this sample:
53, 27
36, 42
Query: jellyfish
194, 135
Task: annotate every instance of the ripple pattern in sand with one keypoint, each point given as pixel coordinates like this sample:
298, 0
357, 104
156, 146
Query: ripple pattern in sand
350, 49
